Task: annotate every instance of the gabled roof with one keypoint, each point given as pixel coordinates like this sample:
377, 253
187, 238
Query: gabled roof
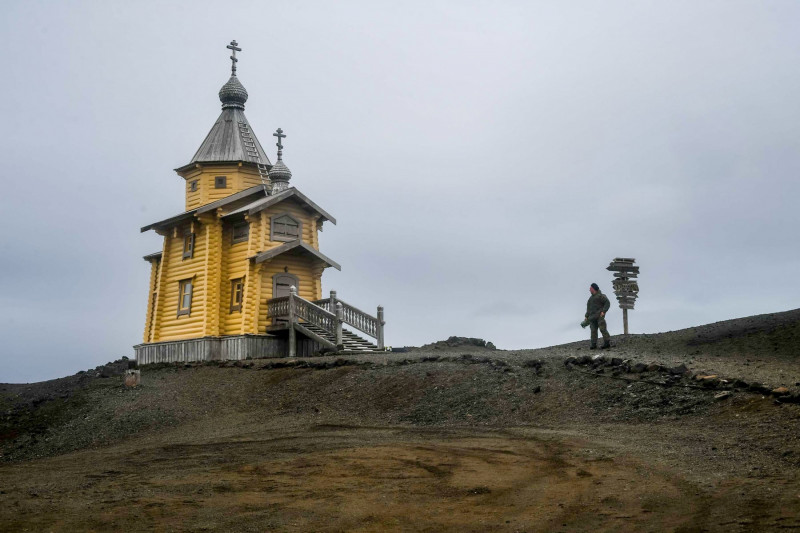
224, 142
296, 247
263, 203
188, 215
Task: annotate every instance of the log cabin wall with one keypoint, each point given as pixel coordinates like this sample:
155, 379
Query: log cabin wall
155, 265
234, 266
238, 177
174, 269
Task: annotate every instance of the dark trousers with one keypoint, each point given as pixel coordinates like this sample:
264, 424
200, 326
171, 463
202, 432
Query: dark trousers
599, 323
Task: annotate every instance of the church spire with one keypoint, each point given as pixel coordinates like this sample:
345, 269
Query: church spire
231, 138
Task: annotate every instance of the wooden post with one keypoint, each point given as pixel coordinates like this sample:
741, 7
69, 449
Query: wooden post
292, 336
381, 323
625, 320
333, 301
339, 320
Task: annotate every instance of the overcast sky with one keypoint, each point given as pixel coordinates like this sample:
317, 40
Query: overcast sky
484, 160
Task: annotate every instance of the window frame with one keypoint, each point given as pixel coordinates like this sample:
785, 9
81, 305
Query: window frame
188, 251
245, 238
237, 283
193, 186
182, 284
220, 182
273, 236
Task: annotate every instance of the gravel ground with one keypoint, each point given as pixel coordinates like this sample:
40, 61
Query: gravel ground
738, 453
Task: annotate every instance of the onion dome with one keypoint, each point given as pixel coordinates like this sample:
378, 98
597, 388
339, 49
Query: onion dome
279, 174
233, 94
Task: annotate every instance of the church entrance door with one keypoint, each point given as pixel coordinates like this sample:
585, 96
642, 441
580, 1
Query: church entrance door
281, 283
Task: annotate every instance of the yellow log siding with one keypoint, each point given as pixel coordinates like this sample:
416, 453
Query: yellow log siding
213, 269
151, 298
216, 261
237, 177
234, 266
175, 269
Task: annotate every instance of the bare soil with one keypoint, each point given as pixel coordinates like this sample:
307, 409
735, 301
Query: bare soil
446, 438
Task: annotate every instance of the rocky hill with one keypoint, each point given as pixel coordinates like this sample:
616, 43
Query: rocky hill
692, 430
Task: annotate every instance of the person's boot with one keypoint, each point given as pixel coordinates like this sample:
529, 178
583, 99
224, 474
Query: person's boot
606, 345
593, 347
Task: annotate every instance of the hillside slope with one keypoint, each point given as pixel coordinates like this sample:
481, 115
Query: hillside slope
452, 438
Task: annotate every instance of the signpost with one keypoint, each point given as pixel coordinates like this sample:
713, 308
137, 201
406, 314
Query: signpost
626, 287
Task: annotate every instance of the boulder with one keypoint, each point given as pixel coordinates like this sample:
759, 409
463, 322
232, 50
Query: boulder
653, 367
780, 391
638, 368
723, 395
678, 370
132, 378
571, 360
599, 359
616, 361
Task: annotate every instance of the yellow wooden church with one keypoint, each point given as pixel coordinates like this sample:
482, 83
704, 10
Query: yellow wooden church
239, 274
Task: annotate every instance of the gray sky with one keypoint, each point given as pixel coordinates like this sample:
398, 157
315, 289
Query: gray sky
485, 160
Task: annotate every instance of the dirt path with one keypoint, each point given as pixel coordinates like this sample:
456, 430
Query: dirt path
336, 478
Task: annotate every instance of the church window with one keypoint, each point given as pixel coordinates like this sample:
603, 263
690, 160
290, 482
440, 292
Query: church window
188, 245
193, 186
237, 294
220, 182
241, 231
285, 228
184, 297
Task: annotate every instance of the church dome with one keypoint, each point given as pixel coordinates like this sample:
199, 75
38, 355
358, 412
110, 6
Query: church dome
233, 94
280, 175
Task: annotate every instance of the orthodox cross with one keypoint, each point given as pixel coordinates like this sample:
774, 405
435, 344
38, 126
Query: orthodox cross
279, 134
234, 47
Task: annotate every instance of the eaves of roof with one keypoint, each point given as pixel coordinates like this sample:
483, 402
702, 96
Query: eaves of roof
255, 190
295, 247
264, 203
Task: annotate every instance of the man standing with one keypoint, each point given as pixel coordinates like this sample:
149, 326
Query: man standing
596, 309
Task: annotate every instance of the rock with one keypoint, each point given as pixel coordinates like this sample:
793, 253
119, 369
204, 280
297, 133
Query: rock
616, 361
739, 384
723, 395
571, 360
638, 368
599, 359
653, 367
759, 388
132, 378
792, 398
584, 360
680, 369
537, 389
780, 391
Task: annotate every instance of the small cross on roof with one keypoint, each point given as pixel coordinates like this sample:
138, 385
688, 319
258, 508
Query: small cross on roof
280, 135
234, 47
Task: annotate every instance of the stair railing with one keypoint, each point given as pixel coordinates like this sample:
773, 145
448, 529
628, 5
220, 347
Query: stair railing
293, 307
356, 318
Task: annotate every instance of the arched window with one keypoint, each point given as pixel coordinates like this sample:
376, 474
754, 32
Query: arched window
285, 228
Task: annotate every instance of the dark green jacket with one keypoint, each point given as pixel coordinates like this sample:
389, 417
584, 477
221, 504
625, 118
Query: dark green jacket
597, 302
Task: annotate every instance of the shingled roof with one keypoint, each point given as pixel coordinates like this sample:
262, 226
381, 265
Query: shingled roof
224, 142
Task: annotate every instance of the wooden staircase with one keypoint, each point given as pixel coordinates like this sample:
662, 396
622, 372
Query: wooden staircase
322, 321
350, 341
